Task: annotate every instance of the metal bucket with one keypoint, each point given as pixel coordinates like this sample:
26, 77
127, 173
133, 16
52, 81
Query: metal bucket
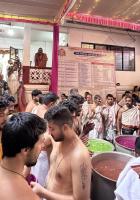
102, 187
120, 147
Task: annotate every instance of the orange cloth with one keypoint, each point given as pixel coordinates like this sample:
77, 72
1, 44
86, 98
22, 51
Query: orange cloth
40, 60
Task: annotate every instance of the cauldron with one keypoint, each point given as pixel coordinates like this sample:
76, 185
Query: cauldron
125, 144
106, 168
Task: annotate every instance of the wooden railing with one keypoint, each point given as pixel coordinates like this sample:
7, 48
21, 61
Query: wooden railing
34, 75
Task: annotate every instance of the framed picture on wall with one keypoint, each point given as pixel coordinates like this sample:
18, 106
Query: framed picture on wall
13, 53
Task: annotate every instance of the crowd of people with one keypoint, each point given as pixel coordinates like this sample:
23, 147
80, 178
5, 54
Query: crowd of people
43, 155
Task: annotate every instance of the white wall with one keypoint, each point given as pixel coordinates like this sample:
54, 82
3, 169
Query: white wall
126, 79
7, 42
18, 43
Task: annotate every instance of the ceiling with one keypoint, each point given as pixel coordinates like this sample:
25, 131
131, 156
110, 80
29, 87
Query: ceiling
128, 10
122, 14
43, 9
88, 11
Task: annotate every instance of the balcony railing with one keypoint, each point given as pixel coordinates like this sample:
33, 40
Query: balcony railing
34, 75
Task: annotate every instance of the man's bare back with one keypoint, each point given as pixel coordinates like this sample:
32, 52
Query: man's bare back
30, 106
40, 110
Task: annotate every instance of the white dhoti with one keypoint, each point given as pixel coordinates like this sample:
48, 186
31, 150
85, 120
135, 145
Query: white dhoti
98, 121
110, 113
128, 184
40, 170
13, 83
131, 117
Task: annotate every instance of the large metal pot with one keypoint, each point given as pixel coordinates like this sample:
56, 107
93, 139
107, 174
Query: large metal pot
102, 187
123, 147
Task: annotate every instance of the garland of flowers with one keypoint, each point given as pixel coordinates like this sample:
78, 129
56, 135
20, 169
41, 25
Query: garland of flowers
102, 21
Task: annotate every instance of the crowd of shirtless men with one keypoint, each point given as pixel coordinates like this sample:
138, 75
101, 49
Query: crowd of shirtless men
43, 156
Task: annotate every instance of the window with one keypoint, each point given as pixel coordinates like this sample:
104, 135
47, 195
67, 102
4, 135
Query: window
124, 56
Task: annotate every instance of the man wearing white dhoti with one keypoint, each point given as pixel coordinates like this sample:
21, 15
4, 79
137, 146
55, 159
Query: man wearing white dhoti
98, 130
110, 114
128, 183
87, 111
128, 119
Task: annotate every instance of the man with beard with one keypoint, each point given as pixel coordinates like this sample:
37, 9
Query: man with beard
22, 141
70, 168
110, 115
35, 99
40, 59
128, 119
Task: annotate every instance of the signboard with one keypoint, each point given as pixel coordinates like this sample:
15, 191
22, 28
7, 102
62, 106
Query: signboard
87, 70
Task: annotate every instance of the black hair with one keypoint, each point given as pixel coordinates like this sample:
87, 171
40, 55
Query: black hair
70, 105
36, 92
22, 130
63, 94
135, 97
59, 115
50, 97
97, 97
10, 99
138, 100
73, 91
127, 92
41, 98
77, 99
87, 93
109, 95
3, 104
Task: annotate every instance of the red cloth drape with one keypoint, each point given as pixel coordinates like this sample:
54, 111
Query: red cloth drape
54, 73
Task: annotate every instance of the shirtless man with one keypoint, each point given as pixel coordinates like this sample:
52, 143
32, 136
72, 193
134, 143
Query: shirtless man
128, 118
48, 101
35, 99
70, 166
22, 140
